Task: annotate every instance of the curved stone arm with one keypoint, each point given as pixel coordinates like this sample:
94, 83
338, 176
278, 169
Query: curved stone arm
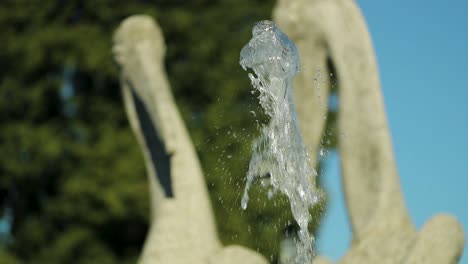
326, 30
335, 30
182, 223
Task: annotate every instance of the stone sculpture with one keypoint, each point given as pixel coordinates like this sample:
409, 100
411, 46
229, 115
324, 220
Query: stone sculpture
325, 31
334, 31
182, 223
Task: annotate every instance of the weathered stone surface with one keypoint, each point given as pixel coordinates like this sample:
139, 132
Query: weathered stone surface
382, 229
235, 255
182, 223
321, 260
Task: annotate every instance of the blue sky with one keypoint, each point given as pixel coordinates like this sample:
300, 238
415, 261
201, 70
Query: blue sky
422, 52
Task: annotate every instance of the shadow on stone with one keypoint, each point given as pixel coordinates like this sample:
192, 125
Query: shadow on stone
160, 159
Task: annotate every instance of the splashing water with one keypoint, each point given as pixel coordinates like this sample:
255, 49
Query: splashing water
279, 152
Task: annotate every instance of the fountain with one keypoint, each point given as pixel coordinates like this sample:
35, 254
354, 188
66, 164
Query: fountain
279, 153
325, 32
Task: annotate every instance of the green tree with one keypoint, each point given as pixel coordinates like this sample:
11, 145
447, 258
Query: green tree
71, 171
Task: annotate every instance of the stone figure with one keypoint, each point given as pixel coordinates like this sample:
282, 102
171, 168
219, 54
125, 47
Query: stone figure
334, 31
326, 32
182, 223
